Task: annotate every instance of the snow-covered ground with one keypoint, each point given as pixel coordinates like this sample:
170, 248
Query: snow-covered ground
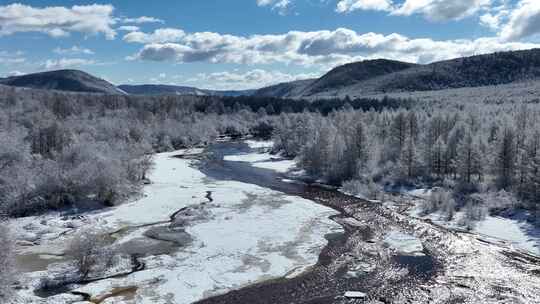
403, 242
261, 157
515, 229
250, 234
521, 234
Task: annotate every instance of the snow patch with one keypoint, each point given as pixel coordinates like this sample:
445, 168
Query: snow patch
403, 243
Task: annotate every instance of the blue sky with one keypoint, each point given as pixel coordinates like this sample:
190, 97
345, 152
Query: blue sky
241, 44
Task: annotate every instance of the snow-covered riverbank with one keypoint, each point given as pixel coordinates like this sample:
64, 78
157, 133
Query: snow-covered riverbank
248, 234
260, 157
514, 229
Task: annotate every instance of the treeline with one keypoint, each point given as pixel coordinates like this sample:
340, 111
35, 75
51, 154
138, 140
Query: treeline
472, 151
59, 149
275, 106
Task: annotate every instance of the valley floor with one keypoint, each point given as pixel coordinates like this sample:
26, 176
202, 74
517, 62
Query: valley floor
284, 243
239, 234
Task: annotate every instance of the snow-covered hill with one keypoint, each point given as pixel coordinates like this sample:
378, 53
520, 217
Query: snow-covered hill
383, 77
63, 80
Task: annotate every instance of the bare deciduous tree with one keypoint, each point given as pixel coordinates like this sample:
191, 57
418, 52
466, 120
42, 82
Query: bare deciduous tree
91, 251
6, 264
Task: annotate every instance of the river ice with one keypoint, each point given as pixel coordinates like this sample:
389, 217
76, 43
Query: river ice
262, 158
251, 234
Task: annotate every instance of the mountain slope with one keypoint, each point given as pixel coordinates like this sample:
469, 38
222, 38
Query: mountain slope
151, 89
62, 80
353, 73
285, 89
481, 70
158, 89
386, 76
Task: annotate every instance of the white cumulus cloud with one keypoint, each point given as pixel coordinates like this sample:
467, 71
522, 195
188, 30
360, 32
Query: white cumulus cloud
281, 6
129, 28
434, 10
158, 36
58, 21
141, 20
322, 48
255, 78
66, 63
523, 21
74, 50
344, 6
11, 58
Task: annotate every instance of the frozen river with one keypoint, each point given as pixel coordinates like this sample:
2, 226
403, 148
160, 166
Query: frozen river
241, 231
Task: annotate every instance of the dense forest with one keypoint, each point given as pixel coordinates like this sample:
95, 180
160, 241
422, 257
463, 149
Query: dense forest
62, 148
467, 152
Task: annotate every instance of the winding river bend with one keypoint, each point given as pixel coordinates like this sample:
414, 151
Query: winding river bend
331, 277
374, 259
200, 231
231, 230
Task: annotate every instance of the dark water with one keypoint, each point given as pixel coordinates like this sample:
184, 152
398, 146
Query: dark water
418, 265
421, 266
314, 286
220, 169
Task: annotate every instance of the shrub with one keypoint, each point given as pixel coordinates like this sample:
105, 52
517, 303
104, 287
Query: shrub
368, 190
92, 252
439, 200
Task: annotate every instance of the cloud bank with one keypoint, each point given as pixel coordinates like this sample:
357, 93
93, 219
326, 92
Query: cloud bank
58, 21
323, 48
434, 10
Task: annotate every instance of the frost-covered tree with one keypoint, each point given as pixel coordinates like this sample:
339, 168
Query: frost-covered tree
505, 158
469, 158
6, 264
533, 180
57, 149
92, 253
356, 154
398, 134
466, 148
438, 158
409, 161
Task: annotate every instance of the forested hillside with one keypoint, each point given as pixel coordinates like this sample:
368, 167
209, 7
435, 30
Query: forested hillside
62, 80
284, 90
372, 77
159, 89
482, 157
353, 73
482, 70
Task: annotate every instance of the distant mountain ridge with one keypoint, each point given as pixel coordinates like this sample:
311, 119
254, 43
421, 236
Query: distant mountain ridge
62, 80
373, 77
160, 89
353, 73
79, 81
285, 89
359, 79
